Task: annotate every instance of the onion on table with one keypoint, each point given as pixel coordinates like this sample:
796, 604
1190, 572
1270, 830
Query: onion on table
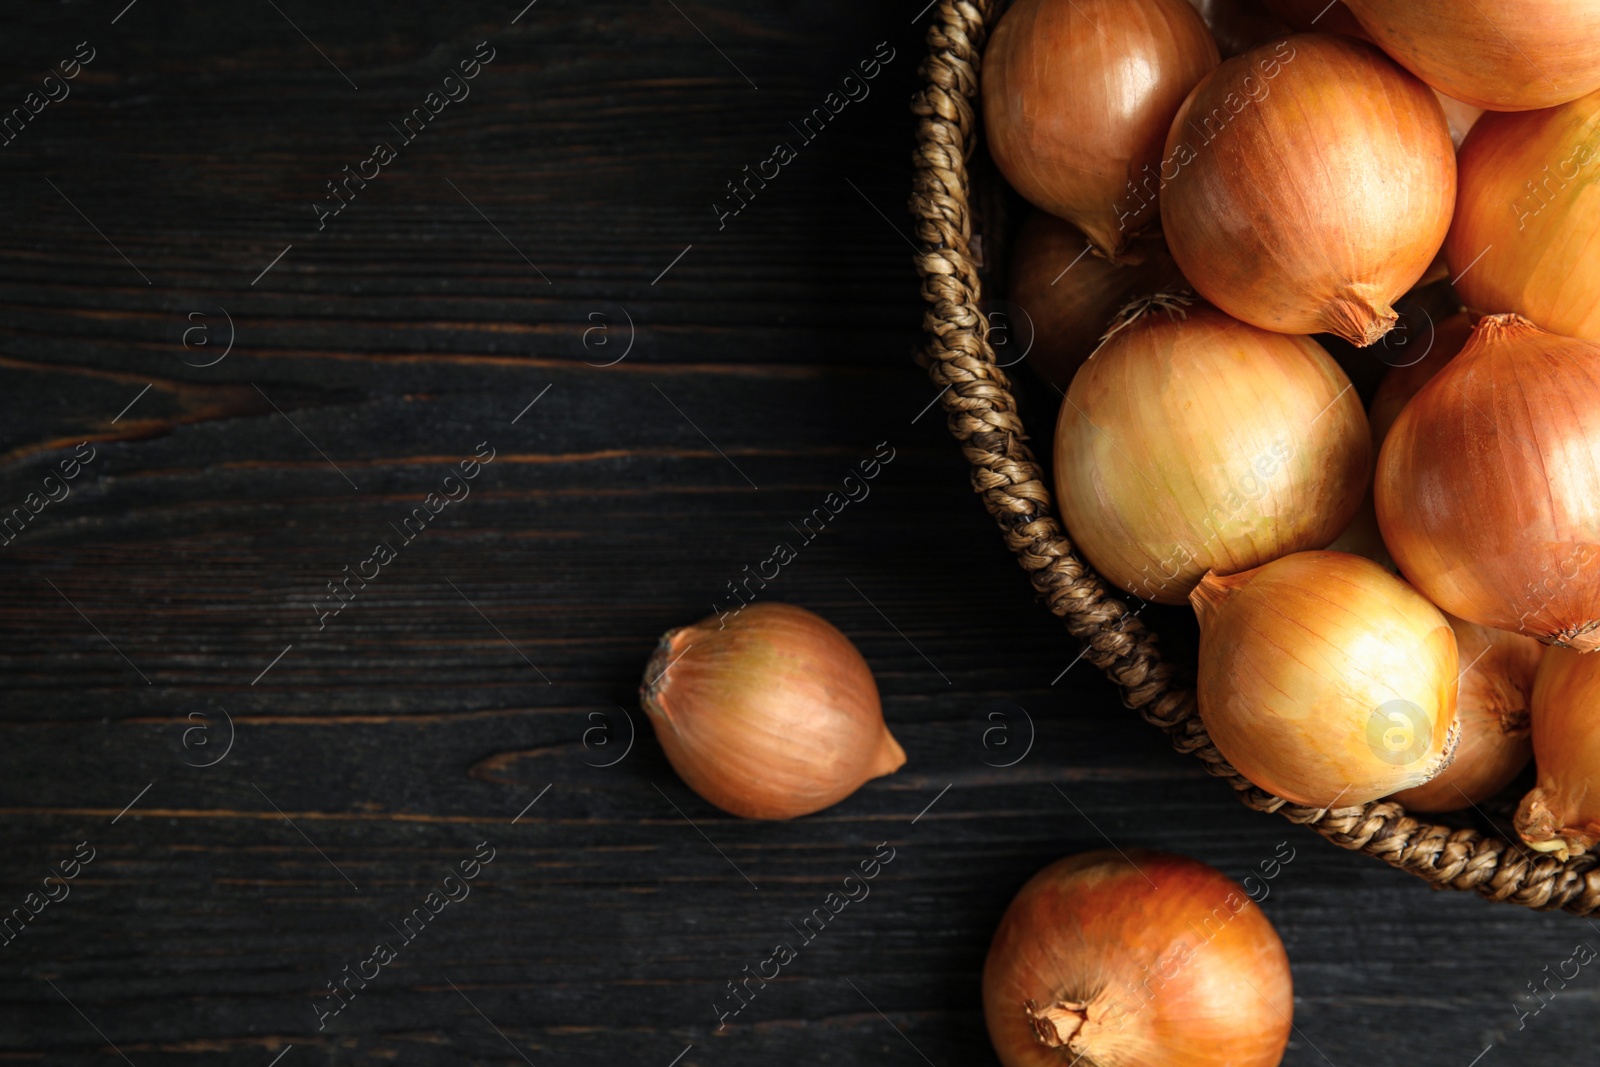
1308, 184
1077, 98
1142, 959
1191, 441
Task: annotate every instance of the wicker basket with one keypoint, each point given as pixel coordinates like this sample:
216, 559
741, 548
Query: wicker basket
985, 418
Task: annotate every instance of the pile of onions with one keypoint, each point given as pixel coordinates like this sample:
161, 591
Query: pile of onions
768, 713
1070, 297
1497, 672
1308, 185
1077, 98
1142, 959
1525, 233
1561, 814
1504, 55
1488, 486
1191, 442
1325, 679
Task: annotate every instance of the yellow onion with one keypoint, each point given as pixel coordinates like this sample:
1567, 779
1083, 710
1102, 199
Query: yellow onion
1192, 442
1071, 297
1488, 486
1142, 959
1400, 383
768, 713
1322, 16
1561, 813
1325, 679
1504, 55
1497, 671
1308, 184
1077, 96
1526, 235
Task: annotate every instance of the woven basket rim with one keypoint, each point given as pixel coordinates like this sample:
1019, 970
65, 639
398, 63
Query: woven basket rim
983, 415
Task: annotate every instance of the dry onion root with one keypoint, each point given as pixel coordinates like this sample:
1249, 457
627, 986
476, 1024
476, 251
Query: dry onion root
1325, 679
1191, 442
769, 713
1488, 486
1308, 184
1138, 960
1077, 97
1561, 814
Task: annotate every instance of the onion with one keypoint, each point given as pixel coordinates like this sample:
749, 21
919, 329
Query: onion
1325, 679
767, 713
1320, 15
1308, 184
1505, 55
1401, 383
1497, 672
1071, 297
1561, 813
1192, 442
1077, 96
1488, 486
1527, 219
1138, 960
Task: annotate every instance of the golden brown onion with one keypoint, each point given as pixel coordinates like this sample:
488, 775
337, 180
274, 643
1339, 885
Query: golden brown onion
1071, 297
1497, 671
1143, 959
1077, 97
769, 713
1488, 486
1561, 813
1192, 442
1325, 679
1307, 185
1526, 235
1504, 55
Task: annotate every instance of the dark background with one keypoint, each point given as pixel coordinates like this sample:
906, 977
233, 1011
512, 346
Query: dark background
495, 661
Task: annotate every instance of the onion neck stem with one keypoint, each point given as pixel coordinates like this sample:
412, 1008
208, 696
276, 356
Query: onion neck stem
1057, 1023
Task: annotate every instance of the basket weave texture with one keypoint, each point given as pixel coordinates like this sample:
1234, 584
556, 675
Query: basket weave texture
983, 415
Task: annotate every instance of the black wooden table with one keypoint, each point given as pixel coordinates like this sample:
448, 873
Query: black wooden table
258, 342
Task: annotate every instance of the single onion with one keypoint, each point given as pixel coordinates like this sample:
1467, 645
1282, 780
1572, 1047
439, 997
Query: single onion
1319, 15
1308, 184
1143, 959
1428, 354
769, 713
1526, 235
1561, 813
1497, 671
1071, 297
1504, 55
1077, 96
1488, 486
1325, 679
1191, 442
1238, 25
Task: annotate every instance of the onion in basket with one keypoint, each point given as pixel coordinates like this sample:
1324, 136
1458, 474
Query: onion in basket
1505, 55
1309, 183
1077, 97
1143, 959
1191, 442
1325, 679
1071, 297
1488, 486
1561, 814
1526, 235
1497, 671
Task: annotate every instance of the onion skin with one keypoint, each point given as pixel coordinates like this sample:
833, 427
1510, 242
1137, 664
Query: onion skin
1077, 96
1072, 298
1561, 813
1503, 55
768, 714
1526, 236
1184, 972
1305, 664
1307, 185
1488, 486
1493, 708
1201, 443
1400, 384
